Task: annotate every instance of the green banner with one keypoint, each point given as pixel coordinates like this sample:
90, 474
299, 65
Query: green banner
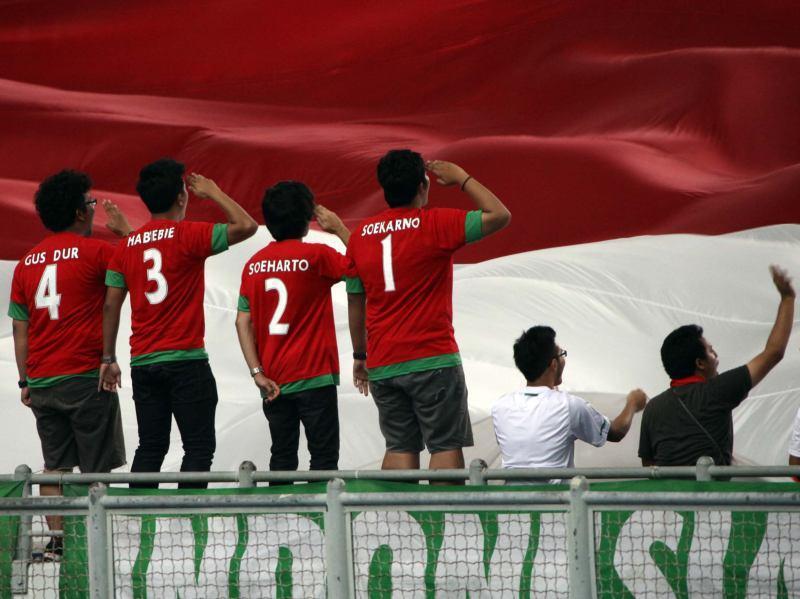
9, 528
466, 554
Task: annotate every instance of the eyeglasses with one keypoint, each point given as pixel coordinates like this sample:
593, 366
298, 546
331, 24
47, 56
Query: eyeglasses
561, 354
90, 202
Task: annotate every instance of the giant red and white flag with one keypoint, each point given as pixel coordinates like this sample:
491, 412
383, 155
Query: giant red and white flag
649, 151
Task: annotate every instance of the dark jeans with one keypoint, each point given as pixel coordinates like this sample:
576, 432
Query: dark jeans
318, 410
187, 390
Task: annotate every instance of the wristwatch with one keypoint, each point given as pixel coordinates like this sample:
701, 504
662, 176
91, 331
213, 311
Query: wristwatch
359, 355
256, 370
22, 384
108, 359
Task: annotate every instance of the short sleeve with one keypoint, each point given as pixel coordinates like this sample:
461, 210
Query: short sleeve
243, 304
794, 442
198, 239
17, 306
730, 388
354, 285
448, 226
333, 265
586, 423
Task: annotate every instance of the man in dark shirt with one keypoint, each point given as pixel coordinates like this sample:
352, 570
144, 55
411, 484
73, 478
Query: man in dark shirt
693, 417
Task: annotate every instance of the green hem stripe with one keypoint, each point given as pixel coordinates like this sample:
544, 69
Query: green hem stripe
420, 365
219, 238
18, 311
473, 226
316, 382
170, 355
115, 279
354, 285
243, 305
40, 382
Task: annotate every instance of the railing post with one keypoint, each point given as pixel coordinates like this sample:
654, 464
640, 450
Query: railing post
100, 581
337, 556
246, 470
22, 555
579, 541
476, 469
703, 465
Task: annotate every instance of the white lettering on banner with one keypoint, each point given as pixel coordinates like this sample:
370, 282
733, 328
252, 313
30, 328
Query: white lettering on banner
151, 236
286, 265
390, 226
406, 539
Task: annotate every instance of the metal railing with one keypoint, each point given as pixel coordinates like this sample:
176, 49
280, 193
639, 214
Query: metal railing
339, 505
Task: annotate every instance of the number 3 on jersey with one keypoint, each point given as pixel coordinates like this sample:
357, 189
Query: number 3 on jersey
47, 295
276, 327
154, 274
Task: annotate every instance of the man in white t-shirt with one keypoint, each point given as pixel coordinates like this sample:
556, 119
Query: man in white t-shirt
794, 442
536, 427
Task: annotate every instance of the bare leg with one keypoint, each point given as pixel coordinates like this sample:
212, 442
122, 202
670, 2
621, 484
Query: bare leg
53, 522
400, 460
451, 459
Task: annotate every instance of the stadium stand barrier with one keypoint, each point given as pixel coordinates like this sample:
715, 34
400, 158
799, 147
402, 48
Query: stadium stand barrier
371, 534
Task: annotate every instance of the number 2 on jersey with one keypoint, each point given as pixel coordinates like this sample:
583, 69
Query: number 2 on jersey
154, 274
46, 294
388, 273
276, 327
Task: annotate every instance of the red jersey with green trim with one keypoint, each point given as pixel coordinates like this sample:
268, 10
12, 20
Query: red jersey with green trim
404, 258
162, 266
58, 288
286, 287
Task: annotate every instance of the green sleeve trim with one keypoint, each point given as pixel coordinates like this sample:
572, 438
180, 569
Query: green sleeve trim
420, 365
41, 382
243, 305
18, 311
473, 226
354, 285
170, 355
324, 380
219, 238
115, 279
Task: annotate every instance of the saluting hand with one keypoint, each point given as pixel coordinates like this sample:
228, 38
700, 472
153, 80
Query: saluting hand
446, 173
328, 220
117, 222
782, 280
201, 186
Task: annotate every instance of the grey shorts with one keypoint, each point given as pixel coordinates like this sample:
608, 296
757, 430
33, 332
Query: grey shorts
79, 426
424, 409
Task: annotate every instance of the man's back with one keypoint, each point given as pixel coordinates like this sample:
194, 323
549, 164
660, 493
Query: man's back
286, 289
404, 259
689, 421
162, 265
58, 287
536, 427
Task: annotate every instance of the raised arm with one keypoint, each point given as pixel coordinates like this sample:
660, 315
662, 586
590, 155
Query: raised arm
19, 329
240, 224
117, 222
495, 215
620, 426
779, 336
247, 341
110, 373
330, 222
357, 319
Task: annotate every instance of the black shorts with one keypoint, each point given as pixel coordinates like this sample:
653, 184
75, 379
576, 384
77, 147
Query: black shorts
79, 426
424, 409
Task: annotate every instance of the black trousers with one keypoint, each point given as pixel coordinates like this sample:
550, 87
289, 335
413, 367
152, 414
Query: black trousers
185, 389
318, 410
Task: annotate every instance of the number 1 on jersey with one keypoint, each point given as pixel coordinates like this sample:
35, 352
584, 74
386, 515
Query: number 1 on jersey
46, 294
276, 327
388, 273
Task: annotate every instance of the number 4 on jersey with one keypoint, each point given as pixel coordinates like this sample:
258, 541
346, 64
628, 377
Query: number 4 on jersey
47, 295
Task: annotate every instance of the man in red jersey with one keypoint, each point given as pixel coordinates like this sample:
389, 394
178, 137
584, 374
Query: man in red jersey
407, 353
162, 264
56, 305
286, 330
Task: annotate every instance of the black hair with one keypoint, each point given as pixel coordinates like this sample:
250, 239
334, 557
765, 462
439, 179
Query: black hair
400, 173
534, 350
60, 196
288, 207
681, 350
160, 184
